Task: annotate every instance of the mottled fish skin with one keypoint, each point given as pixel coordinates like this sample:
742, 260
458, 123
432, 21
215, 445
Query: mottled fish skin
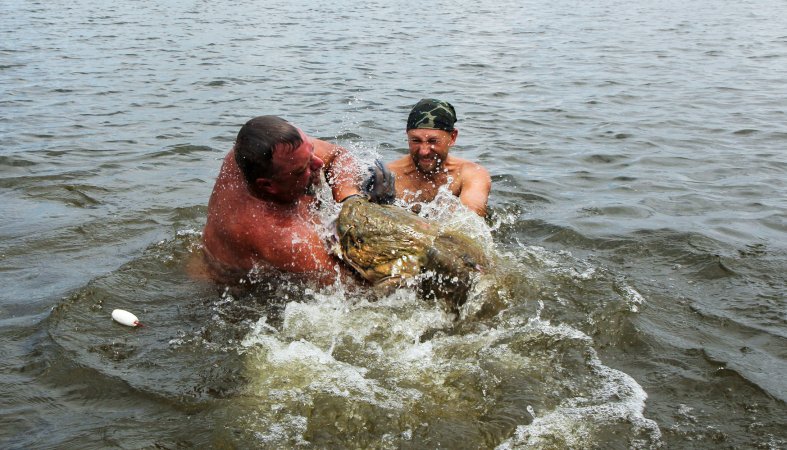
387, 244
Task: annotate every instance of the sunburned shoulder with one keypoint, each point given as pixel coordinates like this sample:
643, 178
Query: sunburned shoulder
325, 150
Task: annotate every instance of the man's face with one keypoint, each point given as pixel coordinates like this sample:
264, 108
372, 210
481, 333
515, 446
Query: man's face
429, 148
296, 172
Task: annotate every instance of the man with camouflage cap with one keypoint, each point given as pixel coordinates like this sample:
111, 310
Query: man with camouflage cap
430, 134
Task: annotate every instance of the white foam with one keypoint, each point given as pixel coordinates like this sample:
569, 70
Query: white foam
288, 428
634, 298
618, 399
302, 367
402, 354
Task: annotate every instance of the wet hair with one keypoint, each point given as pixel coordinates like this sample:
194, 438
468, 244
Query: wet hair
255, 143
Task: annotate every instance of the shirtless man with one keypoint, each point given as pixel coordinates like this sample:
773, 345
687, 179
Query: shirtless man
261, 212
430, 134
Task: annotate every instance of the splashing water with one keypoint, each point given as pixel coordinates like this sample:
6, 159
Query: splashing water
283, 363
400, 371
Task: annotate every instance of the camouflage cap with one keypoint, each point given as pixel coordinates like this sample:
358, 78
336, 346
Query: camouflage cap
432, 113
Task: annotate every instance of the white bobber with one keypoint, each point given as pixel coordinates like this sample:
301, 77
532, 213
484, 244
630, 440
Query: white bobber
125, 318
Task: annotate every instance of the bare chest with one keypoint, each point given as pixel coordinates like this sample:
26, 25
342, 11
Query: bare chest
423, 190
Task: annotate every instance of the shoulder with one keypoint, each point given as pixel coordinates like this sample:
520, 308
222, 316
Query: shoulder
401, 166
467, 170
475, 170
324, 146
230, 175
326, 151
475, 185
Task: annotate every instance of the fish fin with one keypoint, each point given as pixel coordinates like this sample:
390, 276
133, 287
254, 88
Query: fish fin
385, 286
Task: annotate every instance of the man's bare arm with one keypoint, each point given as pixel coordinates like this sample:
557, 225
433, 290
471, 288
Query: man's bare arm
294, 248
476, 184
341, 169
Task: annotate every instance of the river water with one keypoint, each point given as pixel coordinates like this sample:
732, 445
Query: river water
638, 217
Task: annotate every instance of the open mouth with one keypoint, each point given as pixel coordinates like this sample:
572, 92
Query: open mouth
427, 164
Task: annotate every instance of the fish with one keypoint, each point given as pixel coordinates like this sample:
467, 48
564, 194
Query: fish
388, 246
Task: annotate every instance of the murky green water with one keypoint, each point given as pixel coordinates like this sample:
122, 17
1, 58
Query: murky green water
638, 224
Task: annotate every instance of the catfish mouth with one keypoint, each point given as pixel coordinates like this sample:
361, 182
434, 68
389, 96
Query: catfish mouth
363, 239
346, 240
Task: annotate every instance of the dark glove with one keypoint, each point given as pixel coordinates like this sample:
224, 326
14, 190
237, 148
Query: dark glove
380, 185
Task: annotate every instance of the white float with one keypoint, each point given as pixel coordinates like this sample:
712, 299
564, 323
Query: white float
125, 318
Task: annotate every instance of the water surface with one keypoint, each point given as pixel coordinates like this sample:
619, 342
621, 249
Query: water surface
638, 215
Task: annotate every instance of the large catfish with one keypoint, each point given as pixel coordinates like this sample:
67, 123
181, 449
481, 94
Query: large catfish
388, 245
